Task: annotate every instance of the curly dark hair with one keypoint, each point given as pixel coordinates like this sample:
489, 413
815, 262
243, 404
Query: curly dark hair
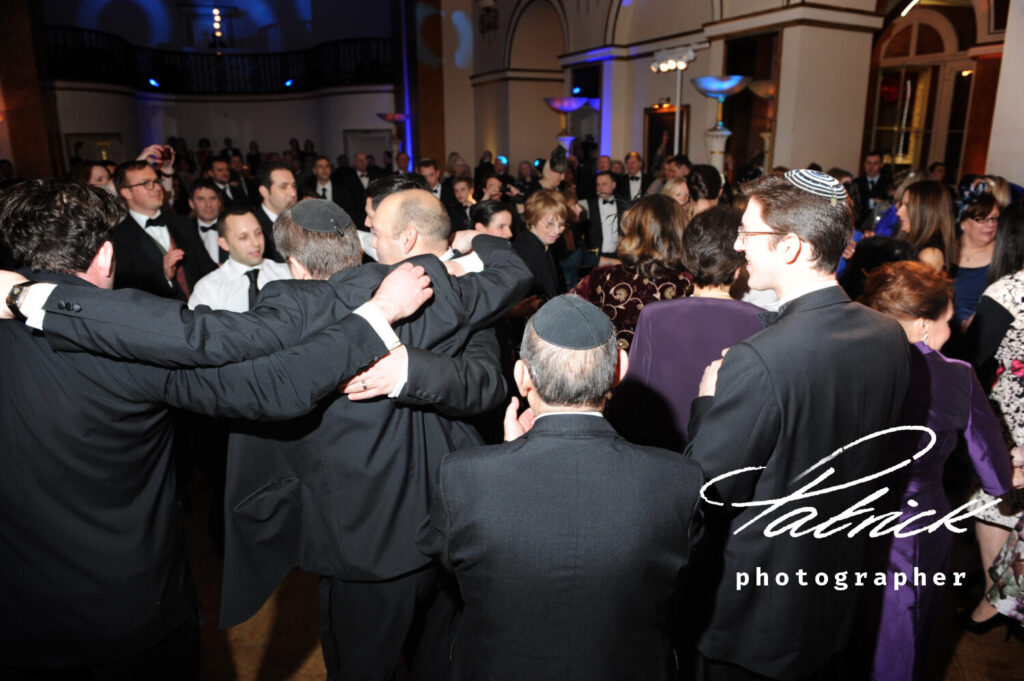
56, 224
652, 235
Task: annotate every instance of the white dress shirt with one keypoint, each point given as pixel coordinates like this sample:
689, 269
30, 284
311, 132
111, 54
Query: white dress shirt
609, 225
161, 235
209, 238
266, 211
635, 183
226, 188
436, 190
227, 287
325, 191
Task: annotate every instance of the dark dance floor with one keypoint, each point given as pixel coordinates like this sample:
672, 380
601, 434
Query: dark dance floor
282, 642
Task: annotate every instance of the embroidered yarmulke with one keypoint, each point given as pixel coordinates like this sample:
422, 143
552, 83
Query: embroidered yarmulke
572, 323
817, 183
319, 215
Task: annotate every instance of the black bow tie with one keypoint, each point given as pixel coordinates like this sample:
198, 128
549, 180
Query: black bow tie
608, 202
634, 178
158, 221
206, 228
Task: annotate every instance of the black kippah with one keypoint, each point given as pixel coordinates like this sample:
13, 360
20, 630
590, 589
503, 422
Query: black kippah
320, 215
572, 323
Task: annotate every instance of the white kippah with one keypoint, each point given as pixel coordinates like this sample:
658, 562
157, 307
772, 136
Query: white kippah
817, 183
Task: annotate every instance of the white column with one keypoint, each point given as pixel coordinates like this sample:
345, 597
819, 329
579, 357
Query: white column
1006, 145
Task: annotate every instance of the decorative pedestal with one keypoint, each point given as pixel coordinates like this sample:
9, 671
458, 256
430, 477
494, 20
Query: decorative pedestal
715, 140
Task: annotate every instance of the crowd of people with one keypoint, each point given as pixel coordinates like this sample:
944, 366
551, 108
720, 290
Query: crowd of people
533, 426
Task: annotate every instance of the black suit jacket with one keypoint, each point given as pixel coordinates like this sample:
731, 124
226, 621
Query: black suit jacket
267, 225
459, 217
139, 261
352, 196
622, 186
595, 231
92, 562
546, 275
568, 544
880, 192
337, 192
284, 483
829, 372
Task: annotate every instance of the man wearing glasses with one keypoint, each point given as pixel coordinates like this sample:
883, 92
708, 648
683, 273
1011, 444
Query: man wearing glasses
823, 373
155, 252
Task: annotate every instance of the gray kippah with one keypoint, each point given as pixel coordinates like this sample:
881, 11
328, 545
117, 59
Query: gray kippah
572, 323
320, 215
817, 183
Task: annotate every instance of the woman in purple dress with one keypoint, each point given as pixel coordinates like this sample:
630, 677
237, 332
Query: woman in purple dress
676, 339
945, 396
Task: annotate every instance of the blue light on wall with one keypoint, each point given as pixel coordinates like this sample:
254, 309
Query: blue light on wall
289, 82
152, 81
576, 90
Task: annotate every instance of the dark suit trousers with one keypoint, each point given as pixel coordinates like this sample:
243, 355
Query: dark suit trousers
365, 626
717, 670
176, 658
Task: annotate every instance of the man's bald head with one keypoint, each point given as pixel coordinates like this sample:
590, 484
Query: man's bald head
421, 209
410, 222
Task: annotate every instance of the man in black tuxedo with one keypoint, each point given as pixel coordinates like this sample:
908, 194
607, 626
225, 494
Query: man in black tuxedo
156, 252
354, 182
283, 486
872, 186
567, 541
93, 573
824, 373
207, 203
431, 172
219, 172
247, 187
458, 211
603, 214
279, 193
636, 182
325, 186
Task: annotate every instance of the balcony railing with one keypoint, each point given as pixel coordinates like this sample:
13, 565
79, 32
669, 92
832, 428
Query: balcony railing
83, 55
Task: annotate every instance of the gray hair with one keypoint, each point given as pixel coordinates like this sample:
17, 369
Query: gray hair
323, 254
570, 378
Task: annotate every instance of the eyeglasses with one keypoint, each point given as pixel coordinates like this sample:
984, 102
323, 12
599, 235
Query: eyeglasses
990, 220
553, 224
744, 234
147, 184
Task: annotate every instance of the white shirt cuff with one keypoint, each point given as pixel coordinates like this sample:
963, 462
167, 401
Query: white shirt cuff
403, 378
375, 318
32, 306
379, 323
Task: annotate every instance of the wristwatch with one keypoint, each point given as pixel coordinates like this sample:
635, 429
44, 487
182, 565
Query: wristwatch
14, 297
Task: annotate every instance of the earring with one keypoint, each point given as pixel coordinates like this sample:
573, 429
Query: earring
925, 338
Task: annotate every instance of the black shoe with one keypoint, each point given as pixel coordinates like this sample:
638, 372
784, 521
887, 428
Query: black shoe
968, 623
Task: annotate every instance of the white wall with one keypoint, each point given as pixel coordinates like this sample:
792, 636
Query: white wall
1006, 146
144, 118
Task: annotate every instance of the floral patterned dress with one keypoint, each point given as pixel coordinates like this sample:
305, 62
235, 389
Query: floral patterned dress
621, 292
1008, 392
1007, 572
